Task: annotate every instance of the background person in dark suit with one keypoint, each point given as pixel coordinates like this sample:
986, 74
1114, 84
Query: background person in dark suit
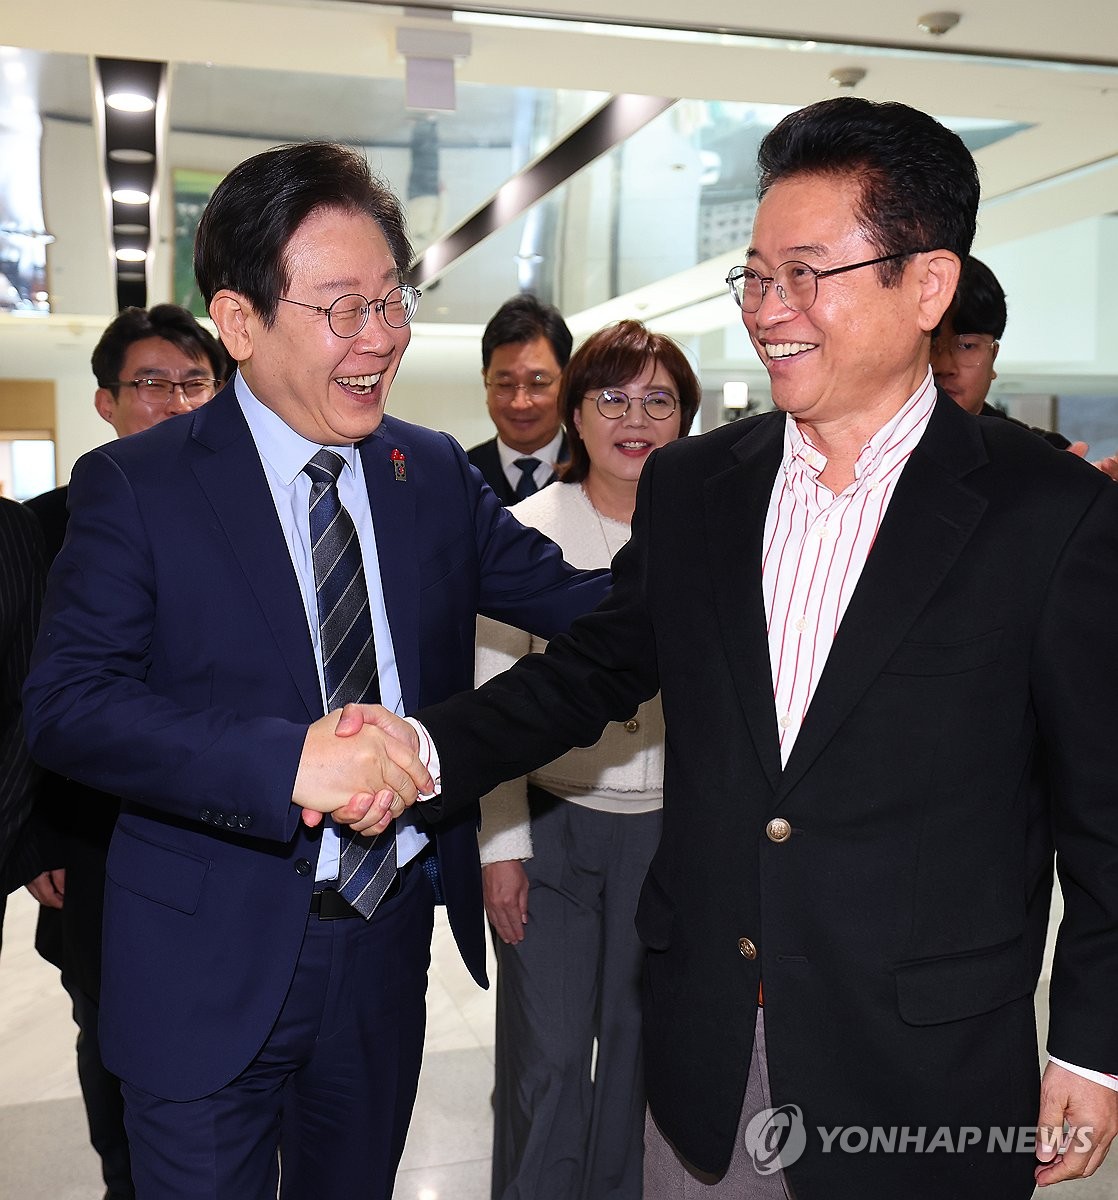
22, 570
883, 631
190, 645
524, 349
150, 365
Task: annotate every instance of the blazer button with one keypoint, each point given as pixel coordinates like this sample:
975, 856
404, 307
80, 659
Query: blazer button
302, 866
778, 830
632, 725
207, 816
231, 821
244, 822
747, 948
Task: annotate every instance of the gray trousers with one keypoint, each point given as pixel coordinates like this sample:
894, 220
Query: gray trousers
669, 1177
569, 1095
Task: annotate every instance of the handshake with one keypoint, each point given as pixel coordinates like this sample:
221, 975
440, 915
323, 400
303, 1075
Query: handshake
362, 766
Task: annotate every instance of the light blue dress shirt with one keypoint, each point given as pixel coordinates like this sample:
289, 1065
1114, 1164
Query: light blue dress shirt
283, 454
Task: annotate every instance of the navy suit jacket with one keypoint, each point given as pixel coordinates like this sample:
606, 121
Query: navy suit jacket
175, 669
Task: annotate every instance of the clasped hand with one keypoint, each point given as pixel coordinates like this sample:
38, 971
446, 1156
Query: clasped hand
361, 765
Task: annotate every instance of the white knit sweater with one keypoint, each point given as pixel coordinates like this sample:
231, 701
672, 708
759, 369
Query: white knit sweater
624, 771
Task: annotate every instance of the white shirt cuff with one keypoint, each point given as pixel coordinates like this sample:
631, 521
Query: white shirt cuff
1110, 1081
429, 756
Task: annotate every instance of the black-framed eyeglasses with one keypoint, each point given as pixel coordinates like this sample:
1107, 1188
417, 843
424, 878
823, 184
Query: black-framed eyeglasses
348, 315
613, 403
162, 391
536, 388
967, 349
796, 283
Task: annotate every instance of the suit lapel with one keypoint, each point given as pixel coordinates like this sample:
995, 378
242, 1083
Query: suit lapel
929, 521
392, 497
737, 502
229, 471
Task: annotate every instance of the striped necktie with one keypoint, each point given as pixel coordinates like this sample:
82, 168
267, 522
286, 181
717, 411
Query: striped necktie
349, 660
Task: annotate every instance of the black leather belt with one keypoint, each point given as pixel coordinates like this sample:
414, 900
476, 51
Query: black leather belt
328, 905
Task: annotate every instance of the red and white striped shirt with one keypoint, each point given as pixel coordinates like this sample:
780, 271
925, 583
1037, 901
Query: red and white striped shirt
816, 546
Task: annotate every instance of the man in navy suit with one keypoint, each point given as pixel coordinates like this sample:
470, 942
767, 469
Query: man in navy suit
246, 1005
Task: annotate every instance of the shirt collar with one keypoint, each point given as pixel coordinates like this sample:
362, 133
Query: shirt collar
548, 453
892, 443
284, 450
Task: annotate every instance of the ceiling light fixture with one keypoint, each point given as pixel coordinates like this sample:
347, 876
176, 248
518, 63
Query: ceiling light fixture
938, 23
131, 102
847, 77
131, 254
130, 196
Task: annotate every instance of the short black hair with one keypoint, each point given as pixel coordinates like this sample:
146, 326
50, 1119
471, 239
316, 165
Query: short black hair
979, 304
613, 354
919, 184
255, 210
167, 321
523, 319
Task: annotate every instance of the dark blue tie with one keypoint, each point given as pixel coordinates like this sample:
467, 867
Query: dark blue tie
349, 660
526, 485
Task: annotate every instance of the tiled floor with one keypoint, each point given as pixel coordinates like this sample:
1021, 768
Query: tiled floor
44, 1154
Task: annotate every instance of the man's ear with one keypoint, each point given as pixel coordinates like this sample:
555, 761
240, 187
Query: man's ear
235, 320
105, 403
938, 278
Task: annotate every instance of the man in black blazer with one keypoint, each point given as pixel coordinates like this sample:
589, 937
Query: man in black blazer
524, 349
883, 631
150, 365
22, 571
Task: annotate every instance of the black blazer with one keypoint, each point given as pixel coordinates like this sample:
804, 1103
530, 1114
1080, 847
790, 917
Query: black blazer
487, 459
965, 718
22, 570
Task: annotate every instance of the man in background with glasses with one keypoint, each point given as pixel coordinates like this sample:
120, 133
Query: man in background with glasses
150, 364
883, 635
227, 579
524, 349
966, 344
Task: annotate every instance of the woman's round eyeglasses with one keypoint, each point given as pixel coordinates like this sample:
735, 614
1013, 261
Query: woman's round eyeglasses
613, 403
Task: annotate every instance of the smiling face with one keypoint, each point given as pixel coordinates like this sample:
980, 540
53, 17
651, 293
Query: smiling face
127, 409
861, 349
526, 421
332, 390
619, 447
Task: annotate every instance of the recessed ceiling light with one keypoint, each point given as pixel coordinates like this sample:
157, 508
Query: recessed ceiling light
131, 255
938, 23
131, 230
131, 102
124, 155
130, 196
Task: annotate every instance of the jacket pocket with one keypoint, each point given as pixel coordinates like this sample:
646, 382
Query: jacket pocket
933, 991
948, 658
156, 872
